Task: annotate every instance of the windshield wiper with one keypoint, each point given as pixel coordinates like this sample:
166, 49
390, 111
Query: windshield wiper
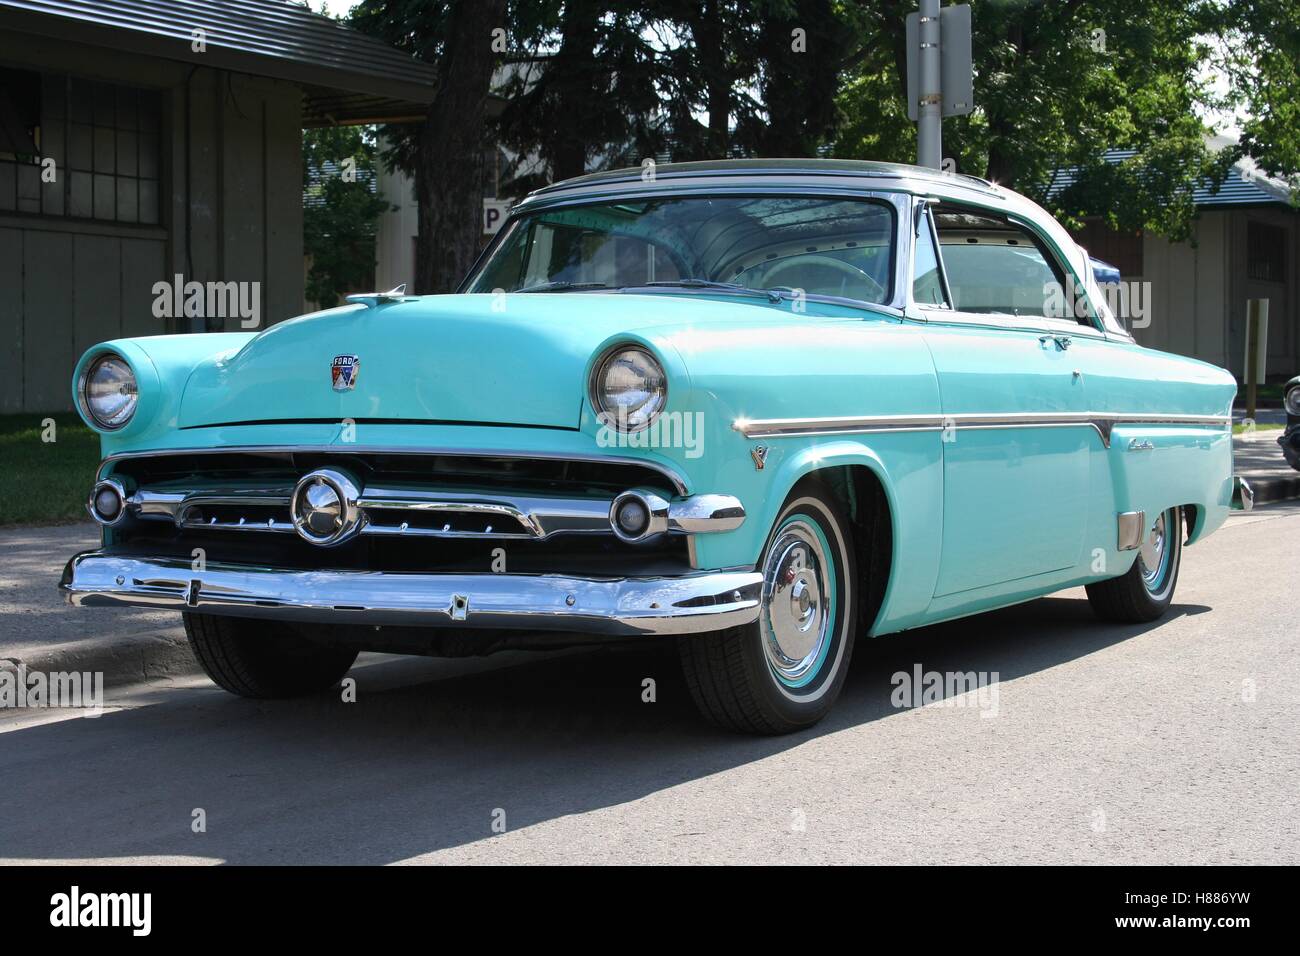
562, 285
772, 295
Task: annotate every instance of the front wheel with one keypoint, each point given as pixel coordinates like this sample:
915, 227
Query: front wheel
783, 672
1145, 592
263, 659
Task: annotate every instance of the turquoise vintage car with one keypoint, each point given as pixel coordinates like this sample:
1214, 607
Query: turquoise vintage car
765, 407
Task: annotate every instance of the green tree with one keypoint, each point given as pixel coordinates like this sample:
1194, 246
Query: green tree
1261, 43
709, 61
799, 51
1057, 84
582, 89
341, 213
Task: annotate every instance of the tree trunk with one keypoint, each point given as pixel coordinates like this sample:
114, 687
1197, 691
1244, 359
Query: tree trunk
449, 169
575, 67
717, 79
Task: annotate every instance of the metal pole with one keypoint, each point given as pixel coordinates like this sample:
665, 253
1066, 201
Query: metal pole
1252, 324
929, 122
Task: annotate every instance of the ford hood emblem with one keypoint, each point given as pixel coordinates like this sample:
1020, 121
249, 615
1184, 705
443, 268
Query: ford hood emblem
343, 372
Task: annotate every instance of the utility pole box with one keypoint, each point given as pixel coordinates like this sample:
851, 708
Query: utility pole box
957, 84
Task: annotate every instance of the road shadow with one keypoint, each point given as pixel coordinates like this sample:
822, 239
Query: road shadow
427, 753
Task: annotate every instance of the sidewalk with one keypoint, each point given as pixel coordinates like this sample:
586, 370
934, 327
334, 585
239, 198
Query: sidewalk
1259, 460
39, 629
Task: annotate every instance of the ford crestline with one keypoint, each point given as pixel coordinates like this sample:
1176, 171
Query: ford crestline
764, 407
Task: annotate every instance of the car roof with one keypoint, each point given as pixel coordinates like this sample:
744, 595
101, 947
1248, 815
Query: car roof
774, 169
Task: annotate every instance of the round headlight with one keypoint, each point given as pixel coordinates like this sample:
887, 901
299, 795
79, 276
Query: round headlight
1292, 401
109, 392
629, 389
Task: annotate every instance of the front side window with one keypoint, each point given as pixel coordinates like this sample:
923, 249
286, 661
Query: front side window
831, 247
997, 267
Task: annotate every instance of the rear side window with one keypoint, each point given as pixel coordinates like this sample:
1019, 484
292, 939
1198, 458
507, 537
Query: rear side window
995, 266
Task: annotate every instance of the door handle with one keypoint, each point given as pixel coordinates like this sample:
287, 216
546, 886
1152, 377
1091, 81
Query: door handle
1062, 342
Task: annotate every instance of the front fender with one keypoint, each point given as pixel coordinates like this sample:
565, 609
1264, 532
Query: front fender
162, 365
913, 486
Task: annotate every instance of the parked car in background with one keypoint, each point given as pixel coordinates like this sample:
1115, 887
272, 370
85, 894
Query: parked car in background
1105, 273
765, 407
1290, 440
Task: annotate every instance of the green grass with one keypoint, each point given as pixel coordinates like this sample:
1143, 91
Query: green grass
1271, 393
45, 482
1262, 427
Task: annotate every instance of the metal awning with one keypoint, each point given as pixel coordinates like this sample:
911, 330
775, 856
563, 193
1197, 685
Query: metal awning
346, 76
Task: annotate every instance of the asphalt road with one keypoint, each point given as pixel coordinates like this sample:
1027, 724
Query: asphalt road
1171, 743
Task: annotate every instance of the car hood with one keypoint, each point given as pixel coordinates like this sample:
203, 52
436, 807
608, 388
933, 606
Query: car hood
480, 359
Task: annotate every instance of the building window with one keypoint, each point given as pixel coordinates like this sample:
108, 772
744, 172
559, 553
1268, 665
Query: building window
103, 140
1265, 252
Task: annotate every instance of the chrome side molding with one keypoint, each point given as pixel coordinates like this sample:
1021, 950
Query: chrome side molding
1102, 423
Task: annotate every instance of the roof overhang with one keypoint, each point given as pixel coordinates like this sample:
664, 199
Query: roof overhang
346, 76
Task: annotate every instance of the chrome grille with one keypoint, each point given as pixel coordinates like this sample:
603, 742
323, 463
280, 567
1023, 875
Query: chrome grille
389, 510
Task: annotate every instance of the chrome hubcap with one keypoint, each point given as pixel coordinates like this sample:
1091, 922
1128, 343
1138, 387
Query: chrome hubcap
796, 609
1152, 553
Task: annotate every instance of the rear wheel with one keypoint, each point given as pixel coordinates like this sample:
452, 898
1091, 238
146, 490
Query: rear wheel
1145, 592
263, 659
783, 672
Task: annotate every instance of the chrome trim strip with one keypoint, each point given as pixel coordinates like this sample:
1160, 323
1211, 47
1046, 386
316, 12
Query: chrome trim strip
677, 481
532, 515
1101, 422
686, 604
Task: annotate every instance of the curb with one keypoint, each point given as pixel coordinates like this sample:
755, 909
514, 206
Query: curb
129, 660
1270, 488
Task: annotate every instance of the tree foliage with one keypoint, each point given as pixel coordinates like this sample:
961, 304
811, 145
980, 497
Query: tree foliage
1057, 84
591, 84
341, 213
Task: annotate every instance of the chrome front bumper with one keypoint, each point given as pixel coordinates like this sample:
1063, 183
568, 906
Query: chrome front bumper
685, 604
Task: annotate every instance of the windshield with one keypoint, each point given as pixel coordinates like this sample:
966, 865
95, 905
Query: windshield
815, 246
